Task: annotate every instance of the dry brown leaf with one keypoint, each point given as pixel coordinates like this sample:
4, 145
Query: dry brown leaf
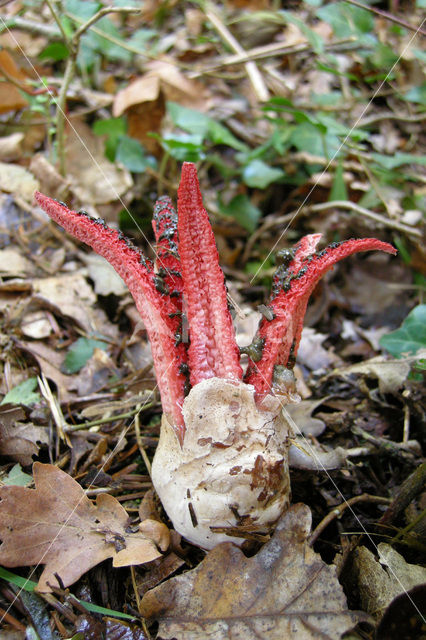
49, 360
57, 525
17, 180
10, 147
69, 294
383, 579
11, 98
20, 441
177, 86
94, 179
285, 591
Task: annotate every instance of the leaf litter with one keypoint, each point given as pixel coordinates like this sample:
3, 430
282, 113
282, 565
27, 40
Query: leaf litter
57, 525
361, 390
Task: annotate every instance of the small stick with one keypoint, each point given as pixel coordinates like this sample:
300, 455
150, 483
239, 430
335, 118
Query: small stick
407, 492
251, 68
338, 511
346, 204
388, 16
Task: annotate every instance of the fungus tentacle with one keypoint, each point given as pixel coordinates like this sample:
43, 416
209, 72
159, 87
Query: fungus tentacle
213, 351
292, 289
138, 274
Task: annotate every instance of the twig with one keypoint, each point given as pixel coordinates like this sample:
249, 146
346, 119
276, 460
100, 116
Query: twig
140, 443
270, 50
58, 21
251, 68
401, 450
388, 16
389, 115
338, 511
55, 409
100, 14
17, 22
73, 45
113, 418
407, 492
347, 204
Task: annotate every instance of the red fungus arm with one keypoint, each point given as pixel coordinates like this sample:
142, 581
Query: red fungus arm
291, 291
213, 351
138, 274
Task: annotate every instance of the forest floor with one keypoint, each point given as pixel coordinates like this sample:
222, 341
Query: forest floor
301, 118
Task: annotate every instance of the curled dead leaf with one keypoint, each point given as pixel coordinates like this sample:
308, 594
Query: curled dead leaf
57, 525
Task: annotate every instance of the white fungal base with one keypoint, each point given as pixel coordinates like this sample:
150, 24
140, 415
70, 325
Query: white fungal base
232, 470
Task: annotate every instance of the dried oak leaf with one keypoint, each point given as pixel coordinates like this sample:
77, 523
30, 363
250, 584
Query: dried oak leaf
285, 591
57, 525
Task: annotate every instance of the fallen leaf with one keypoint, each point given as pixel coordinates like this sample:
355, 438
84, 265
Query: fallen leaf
20, 441
57, 525
10, 147
11, 98
17, 180
144, 104
380, 581
13, 263
104, 276
94, 179
108, 628
70, 294
285, 591
49, 178
50, 361
36, 324
390, 374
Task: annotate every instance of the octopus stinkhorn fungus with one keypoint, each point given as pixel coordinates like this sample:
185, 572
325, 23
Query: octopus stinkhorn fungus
221, 465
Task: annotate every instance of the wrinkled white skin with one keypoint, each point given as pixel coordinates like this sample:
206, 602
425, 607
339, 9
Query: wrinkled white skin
232, 470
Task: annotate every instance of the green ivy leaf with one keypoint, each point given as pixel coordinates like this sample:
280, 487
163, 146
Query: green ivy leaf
80, 352
199, 123
338, 190
259, 175
23, 393
113, 129
54, 51
131, 153
184, 147
398, 159
242, 211
416, 94
410, 337
17, 477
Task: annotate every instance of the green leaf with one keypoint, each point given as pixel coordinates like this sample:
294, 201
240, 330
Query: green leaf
307, 137
314, 39
338, 190
184, 147
80, 352
109, 47
30, 585
346, 20
84, 9
416, 94
398, 159
410, 337
19, 581
259, 175
17, 477
113, 128
198, 123
54, 51
242, 211
131, 153
23, 393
